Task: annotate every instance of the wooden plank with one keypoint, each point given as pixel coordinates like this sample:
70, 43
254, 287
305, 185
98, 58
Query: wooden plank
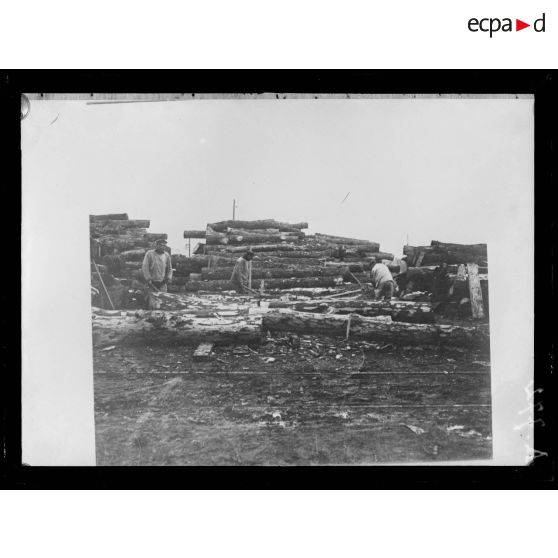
203, 352
420, 257
477, 306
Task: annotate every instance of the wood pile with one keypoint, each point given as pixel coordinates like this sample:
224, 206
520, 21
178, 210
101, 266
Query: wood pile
286, 257
118, 245
460, 259
441, 252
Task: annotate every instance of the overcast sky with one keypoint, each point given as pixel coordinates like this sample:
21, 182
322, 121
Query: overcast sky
435, 169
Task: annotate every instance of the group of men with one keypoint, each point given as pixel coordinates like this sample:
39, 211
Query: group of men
157, 272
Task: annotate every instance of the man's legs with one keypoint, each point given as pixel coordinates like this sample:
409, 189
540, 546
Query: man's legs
386, 290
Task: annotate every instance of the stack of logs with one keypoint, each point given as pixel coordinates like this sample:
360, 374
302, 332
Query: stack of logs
286, 257
423, 261
118, 245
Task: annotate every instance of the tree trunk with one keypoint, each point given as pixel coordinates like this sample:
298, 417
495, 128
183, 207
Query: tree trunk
194, 234
400, 311
475, 291
478, 249
271, 234
374, 246
279, 250
109, 217
172, 328
262, 224
435, 255
121, 223
260, 271
223, 284
133, 255
374, 330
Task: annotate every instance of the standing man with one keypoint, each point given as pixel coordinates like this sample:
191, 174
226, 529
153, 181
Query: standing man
401, 277
441, 284
382, 280
157, 267
239, 277
341, 253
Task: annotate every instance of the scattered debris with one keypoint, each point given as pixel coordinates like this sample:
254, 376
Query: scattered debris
203, 352
109, 348
415, 429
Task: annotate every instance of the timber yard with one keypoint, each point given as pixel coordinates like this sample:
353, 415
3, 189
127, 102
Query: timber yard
265, 345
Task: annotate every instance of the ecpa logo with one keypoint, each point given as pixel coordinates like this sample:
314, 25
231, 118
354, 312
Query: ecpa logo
494, 24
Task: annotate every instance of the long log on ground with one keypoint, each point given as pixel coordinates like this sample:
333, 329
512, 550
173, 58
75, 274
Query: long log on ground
171, 328
194, 234
261, 224
400, 311
220, 285
370, 329
342, 240
109, 217
284, 272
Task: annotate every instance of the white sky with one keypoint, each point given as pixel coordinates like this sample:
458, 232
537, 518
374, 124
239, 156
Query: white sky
435, 169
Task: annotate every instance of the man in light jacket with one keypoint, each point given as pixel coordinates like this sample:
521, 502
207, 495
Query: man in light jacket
382, 280
239, 277
157, 267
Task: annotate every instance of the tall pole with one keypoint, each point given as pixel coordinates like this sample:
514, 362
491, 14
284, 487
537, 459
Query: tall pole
234, 207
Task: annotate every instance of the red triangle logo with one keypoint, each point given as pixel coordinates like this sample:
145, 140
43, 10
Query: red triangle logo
519, 25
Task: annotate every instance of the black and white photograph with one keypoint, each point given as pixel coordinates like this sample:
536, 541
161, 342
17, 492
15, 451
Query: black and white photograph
290, 280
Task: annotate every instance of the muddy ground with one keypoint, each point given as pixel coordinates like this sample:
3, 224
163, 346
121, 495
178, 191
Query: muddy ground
291, 401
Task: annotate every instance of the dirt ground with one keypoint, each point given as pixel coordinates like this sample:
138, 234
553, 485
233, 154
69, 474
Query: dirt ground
291, 401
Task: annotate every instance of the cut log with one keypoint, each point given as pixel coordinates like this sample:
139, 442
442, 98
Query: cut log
122, 223
400, 311
262, 272
194, 234
263, 239
170, 328
133, 255
374, 246
435, 255
371, 329
475, 291
220, 285
155, 236
109, 217
269, 234
277, 250
261, 224
478, 249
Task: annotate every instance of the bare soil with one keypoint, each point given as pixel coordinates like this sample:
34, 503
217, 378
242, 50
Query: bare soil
291, 401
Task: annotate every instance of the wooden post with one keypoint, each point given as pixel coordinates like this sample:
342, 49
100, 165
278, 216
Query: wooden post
250, 274
234, 207
475, 291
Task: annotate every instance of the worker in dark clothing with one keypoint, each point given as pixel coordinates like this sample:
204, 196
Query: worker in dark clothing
441, 284
239, 277
402, 278
341, 253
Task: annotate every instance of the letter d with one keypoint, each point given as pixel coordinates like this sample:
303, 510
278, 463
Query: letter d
541, 30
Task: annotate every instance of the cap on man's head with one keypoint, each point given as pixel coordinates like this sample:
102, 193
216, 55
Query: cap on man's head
160, 241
